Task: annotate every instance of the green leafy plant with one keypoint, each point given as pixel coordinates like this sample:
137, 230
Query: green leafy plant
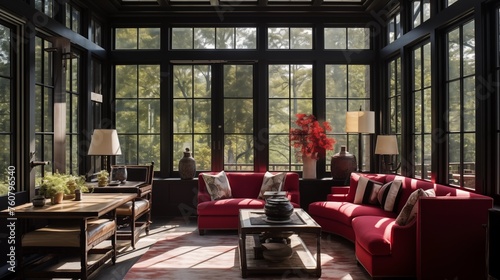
52, 184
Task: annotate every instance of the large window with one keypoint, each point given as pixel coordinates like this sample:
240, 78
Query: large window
7, 113
422, 96
186, 38
137, 38
72, 113
289, 38
229, 144
73, 18
394, 100
290, 92
192, 117
347, 89
45, 6
394, 28
420, 12
137, 113
347, 38
461, 105
44, 104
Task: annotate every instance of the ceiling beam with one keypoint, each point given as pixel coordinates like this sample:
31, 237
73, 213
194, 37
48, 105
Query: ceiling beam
317, 2
164, 3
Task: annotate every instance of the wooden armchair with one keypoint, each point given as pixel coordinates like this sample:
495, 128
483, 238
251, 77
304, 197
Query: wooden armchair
137, 214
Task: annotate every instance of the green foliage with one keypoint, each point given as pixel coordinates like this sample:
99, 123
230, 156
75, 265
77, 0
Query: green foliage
52, 184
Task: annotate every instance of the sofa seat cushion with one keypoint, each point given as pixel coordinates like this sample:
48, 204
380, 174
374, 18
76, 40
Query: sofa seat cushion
344, 212
373, 233
229, 206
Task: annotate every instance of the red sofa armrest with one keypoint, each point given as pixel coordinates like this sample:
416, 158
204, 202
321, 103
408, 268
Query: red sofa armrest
338, 193
451, 236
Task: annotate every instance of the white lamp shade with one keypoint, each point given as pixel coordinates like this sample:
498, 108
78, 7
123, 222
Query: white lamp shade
386, 145
360, 122
104, 142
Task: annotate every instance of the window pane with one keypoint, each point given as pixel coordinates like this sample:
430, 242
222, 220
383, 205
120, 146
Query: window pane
149, 38
336, 38
204, 38
359, 38
126, 116
126, 38
469, 104
238, 81
225, 38
301, 38
416, 15
469, 49
125, 81
336, 81
149, 75
454, 121
246, 38
454, 54
278, 38
359, 81
182, 38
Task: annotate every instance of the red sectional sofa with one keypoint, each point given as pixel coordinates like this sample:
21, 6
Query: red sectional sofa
446, 240
245, 188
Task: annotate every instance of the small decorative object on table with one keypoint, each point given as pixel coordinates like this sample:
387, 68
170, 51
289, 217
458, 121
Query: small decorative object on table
187, 166
278, 209
310, 140
118, 173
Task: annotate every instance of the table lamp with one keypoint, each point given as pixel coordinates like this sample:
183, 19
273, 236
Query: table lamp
387, 145
105, 143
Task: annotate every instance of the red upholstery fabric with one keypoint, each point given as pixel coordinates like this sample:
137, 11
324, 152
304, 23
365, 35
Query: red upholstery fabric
245, 188
446, 241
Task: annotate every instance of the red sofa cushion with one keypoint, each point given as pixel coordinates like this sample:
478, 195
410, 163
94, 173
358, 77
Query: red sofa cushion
229, 206
344, 212
374, 234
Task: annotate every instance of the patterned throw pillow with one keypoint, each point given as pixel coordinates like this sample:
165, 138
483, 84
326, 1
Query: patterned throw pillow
409, 211
217, 185
389, 195
367, 191
272, 182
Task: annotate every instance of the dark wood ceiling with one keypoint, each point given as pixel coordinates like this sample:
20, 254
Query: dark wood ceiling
120, 7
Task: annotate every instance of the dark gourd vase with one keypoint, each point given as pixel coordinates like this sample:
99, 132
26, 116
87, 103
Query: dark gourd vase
278, 208
187, 166
342, 164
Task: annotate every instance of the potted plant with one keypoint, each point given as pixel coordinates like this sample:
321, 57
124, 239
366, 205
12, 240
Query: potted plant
102, 178
56, 185
309, 139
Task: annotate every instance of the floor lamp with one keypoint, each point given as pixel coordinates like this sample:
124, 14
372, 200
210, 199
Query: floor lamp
105, 143
360, 122
387, 145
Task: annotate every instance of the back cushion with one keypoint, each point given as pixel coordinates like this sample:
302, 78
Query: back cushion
354, 182
245, 185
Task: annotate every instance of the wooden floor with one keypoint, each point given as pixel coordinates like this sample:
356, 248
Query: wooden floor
128, 256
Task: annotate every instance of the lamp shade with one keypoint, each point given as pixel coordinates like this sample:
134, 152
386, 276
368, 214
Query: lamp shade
360, 122
104, 142
386, 145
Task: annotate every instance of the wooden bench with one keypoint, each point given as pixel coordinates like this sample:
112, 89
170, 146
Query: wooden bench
67, 240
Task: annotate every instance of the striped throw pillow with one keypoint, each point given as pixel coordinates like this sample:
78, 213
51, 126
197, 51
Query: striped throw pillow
389, 195
367, 191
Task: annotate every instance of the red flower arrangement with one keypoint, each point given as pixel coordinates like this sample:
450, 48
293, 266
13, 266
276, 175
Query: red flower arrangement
310, 137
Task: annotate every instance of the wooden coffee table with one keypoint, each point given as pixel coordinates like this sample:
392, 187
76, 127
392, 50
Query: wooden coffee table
253, 223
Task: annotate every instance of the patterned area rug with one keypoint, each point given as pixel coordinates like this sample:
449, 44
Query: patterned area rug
187, 255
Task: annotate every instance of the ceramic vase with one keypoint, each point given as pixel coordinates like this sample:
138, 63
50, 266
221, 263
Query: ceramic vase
119, 173
187, 166
278, 208
342, 164
308, 167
